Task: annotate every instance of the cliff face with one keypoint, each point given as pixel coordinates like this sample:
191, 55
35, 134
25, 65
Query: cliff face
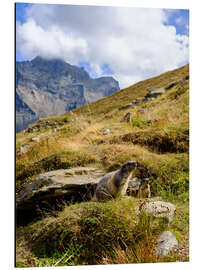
52, 87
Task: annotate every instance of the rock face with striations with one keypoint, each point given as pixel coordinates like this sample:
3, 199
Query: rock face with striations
76, 183
52, 87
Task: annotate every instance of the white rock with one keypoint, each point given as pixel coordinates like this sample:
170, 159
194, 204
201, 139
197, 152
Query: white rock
106, 131
156, 209
24, 149
36, 139
165, 243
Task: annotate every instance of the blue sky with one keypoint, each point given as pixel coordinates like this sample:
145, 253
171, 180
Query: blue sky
124, 42
20, 11
180, 19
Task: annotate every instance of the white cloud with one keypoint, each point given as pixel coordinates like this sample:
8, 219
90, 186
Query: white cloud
134, 42
33, 40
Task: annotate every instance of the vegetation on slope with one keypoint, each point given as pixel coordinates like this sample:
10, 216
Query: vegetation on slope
157, 138
97, 233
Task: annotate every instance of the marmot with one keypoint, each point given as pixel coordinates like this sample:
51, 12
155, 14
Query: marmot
144, 189
139, 188
115, 183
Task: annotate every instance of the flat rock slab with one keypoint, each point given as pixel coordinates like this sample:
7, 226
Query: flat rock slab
58, 183
165, 243
156, 209
127, 106
155, 92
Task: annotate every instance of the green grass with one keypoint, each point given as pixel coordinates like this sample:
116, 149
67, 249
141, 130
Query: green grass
86, 233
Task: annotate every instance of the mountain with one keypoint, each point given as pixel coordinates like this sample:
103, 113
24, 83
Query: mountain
52, 87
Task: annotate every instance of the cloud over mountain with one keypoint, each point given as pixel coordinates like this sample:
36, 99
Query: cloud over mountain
135, 43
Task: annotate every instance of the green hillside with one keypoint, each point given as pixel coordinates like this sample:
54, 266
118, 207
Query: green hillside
157, 137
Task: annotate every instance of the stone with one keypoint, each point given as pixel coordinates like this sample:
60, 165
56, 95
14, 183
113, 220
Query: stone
137, 101
106, 131
124, 107
126, 118
142, 110
75, 183
156, 209
24, 149
36, 139
145, 99
80, 129
165, 243
172, 84
151, 98
155, 92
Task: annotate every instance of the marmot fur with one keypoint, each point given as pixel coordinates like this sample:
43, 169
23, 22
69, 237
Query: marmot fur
115, 183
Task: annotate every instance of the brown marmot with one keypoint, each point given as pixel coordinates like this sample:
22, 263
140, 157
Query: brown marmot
139, 188
115, 183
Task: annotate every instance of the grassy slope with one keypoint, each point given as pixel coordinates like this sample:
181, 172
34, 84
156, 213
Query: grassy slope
157, 139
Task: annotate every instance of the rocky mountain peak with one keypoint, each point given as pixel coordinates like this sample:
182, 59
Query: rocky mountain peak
48, 87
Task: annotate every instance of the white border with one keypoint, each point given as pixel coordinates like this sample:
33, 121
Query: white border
7, 127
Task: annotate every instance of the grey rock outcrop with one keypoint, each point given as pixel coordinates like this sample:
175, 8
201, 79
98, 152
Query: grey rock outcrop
155, 92
156, 209
76, 182
137, 101
124, 107
52, 87
172, 84
165, 243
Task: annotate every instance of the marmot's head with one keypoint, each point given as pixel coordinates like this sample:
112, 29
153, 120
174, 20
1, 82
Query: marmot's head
128, 167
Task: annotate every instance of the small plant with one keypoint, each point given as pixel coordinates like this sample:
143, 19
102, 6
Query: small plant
178, 92
66, 119
138, 122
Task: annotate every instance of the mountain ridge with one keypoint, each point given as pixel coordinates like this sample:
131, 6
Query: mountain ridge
52, 87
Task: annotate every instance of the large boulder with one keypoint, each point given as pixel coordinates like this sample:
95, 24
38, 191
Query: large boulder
76, 183
165, 243
155, 92
156, 209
